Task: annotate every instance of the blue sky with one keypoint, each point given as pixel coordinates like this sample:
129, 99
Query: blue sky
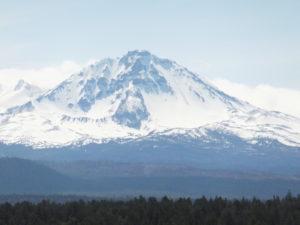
250, 42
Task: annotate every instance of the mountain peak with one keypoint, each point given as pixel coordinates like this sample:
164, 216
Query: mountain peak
148, 74
21, 83
144, 58
141, 53
132, 57
133, 96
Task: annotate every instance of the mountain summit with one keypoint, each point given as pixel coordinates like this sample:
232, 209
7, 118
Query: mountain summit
135, 97
19, 94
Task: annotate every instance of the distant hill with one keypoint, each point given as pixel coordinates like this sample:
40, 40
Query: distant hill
19, 176
26, 176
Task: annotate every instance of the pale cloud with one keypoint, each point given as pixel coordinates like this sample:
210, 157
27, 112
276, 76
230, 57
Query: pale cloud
45, 78
263, 95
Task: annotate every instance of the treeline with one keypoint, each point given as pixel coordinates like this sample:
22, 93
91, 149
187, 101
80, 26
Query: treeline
152, 211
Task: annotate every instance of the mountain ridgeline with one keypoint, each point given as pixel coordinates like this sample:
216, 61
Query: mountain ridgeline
140, 96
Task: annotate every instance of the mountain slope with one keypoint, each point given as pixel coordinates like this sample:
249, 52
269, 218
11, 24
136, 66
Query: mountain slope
139, 97
21, 93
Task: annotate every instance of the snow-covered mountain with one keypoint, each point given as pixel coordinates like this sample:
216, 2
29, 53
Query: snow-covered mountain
19, 94
139, 97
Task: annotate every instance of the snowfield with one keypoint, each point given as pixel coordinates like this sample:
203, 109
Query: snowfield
136, 96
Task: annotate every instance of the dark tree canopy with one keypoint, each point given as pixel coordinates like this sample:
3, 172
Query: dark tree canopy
152, 211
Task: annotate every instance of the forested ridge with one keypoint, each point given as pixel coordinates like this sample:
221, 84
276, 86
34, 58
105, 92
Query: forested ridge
152, 211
